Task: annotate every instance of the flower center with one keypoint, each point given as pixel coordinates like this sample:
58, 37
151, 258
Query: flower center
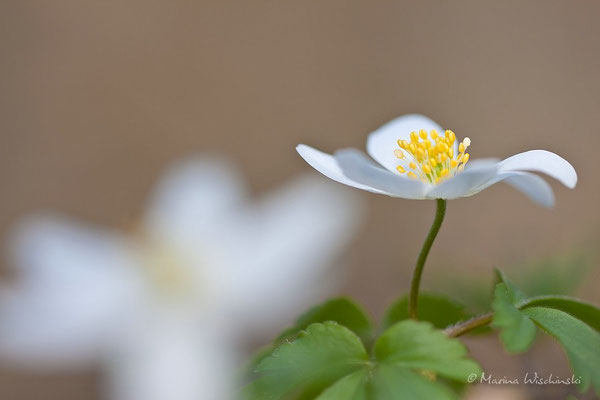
431, 157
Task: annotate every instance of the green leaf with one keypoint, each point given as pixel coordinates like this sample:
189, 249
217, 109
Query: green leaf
417, 345
328, 362
517, 332
439, 310
350, 387
342, 310
515, 295
583, 311
320, 355
394, 382
581, 343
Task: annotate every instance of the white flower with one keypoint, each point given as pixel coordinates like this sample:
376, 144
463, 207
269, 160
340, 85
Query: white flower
165, 311
418, 160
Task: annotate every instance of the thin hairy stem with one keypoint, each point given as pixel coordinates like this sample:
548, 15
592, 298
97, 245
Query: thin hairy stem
463, 327
416, 278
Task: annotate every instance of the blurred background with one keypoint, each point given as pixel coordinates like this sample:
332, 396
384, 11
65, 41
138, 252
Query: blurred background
97, 97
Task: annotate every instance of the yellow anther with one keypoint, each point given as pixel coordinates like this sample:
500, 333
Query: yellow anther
432, 157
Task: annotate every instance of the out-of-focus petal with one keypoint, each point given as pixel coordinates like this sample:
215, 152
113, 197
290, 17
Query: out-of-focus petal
542, 161
356, 166
192, 197
534, 187
286, 250
76, 286
172, 356
328, 166
464, 183
382, 142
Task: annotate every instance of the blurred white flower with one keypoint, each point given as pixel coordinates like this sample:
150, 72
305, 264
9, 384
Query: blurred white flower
165, 310
415, 161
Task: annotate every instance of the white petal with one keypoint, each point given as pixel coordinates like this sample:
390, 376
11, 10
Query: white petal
542, 161
167, 357
382, 142
328, 166
192, 196
464, 183
534, 187
356, 166
286, 249
75, 287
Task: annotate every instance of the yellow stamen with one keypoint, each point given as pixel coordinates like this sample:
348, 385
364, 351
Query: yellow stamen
432, 158
398, 153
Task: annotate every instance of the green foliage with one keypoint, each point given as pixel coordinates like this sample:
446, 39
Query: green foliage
581, 343
342, 310
439, 310
318, 357
328, 361
392, 382
517, 331
574, 324
417, 345
583, 311
350, 387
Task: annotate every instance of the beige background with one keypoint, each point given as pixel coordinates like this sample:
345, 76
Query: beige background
96, 97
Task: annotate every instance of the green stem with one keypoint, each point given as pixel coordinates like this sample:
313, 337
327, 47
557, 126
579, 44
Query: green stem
463, 327
416, 278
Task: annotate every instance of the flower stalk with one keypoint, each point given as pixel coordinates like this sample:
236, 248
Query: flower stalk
463, 327
418, 271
